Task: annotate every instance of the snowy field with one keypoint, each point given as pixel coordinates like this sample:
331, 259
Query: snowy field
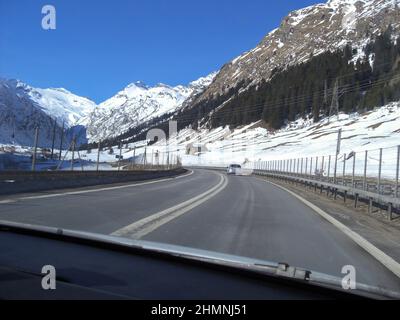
254, 146
370, 131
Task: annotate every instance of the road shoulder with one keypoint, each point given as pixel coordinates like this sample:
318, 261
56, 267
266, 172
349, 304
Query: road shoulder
374, 227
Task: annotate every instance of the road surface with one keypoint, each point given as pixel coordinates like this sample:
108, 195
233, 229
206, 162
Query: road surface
209, 210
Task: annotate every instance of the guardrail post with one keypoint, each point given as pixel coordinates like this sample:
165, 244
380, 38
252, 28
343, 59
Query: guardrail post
380, 170
335, 169
396, 193
390, 211
365, 170
370, 205
356, 200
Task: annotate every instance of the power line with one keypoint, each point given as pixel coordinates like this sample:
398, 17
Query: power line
297, 100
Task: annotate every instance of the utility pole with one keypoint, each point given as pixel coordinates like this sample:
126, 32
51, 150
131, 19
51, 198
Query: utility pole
145, 157
120, 155
73, 153
61, 141
98, 155
339, 141
35, 148
54, 139
168, 158
134, 157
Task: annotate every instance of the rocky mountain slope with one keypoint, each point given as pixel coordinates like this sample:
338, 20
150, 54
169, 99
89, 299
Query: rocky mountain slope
23, 108
306, 33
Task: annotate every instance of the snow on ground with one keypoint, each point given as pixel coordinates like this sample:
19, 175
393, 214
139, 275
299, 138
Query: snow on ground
379, 128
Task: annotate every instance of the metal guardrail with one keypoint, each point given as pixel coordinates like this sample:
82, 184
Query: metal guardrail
347, 191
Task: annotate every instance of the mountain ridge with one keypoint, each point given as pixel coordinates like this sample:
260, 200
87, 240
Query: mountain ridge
81, 116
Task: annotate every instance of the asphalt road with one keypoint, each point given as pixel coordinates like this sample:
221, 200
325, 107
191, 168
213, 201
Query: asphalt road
207, 210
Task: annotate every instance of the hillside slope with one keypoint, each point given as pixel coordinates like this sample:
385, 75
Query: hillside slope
306, 33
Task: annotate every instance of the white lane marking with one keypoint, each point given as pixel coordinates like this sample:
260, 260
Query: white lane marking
378, 254
143, 227
7, 201
93, 190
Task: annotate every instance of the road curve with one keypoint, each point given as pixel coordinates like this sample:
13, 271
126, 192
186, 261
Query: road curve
247, 217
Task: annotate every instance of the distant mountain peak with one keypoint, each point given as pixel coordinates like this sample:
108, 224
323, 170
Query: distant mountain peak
139, 103
137, 84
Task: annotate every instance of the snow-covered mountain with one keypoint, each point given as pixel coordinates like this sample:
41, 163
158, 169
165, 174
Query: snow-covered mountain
306, 33
139, 103
23, 108
58, 103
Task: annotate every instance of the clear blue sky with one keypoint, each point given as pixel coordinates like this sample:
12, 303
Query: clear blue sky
100, 46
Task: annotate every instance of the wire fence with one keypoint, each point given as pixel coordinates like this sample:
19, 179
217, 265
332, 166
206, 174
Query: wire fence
101, 159
372, 170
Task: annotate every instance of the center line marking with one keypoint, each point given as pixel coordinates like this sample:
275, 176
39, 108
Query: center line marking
141, 228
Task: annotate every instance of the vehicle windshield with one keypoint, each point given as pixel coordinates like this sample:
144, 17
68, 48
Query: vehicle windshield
269, 133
